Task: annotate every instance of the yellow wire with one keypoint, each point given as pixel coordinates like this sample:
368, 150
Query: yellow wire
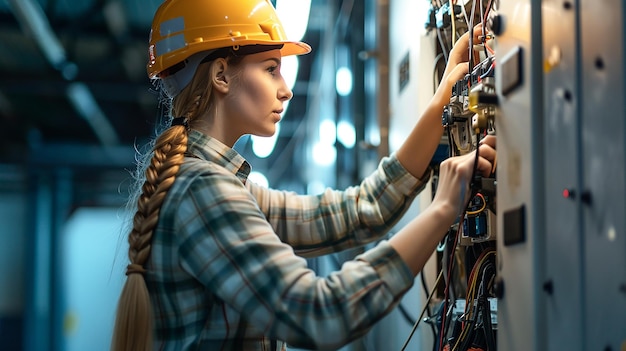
481, 209
453, 20
470, 296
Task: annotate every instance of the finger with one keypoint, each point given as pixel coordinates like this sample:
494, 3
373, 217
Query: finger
489, 145
484, 167
487, 152
488, 140
460, 50
478, 31
463, 37
457, 73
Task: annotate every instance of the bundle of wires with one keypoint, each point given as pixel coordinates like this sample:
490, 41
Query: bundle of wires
477, 314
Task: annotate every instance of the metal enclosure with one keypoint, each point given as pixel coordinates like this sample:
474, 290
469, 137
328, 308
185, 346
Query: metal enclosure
584, 166
561, 155
562, 284
603, 161
520, 178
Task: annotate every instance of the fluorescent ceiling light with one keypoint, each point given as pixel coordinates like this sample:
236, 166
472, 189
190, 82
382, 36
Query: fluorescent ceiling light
294, 15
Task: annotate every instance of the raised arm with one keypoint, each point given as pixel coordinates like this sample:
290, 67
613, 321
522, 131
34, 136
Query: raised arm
418, 149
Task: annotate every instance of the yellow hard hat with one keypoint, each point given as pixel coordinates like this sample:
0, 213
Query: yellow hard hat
182, 28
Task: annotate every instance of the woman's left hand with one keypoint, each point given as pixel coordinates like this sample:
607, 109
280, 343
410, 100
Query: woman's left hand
457, 66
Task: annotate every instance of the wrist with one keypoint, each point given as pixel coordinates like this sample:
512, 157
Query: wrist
442, 96
445, 211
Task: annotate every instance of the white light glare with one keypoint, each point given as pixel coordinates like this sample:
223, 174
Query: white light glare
289, 70
346, 134
343, 81
374, 136
315, 187
259, 178
263, 146
324, 154
328, 132
294, 14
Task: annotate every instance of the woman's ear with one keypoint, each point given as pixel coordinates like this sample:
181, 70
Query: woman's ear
218, 77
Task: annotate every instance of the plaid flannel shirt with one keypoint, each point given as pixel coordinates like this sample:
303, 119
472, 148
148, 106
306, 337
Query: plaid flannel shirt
227, 272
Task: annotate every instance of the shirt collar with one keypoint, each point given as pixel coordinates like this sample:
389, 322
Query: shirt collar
210, 149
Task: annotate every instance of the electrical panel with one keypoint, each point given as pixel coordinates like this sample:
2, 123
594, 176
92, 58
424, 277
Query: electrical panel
463, 306
538, 260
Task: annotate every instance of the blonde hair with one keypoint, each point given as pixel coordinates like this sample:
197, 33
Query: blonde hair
133, 330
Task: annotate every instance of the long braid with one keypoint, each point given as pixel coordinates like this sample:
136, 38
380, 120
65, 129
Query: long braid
160, 175
133, 327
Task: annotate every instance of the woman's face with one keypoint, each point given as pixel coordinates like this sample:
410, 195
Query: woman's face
254, 102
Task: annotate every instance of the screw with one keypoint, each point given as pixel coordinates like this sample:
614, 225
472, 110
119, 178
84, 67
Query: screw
585, 197
548, 287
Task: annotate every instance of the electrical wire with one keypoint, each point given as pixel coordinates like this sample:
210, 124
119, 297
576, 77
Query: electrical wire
436, 71
417, 322
489, 5
491, 68
488, 50
450, 143
482, 307
481, 265
472, 280
488, 329
425, 287
475, 168
451, 261
471, 213
452, 21
444, 49
448, 284
471, 39
482, 25
461, 272
465, 15
447, 287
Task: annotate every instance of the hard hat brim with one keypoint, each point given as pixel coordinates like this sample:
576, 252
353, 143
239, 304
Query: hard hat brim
295, 48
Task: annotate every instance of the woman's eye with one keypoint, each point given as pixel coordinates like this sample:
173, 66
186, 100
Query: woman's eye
273, 69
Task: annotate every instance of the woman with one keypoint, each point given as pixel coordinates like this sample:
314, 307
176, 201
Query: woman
216, 262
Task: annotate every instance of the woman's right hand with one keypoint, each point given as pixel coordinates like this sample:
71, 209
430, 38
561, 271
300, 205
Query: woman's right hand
416, 241
455, 173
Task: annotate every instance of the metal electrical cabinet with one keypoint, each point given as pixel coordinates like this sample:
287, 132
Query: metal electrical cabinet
602, 173
520, 220
561, 175
564, 264
585, 272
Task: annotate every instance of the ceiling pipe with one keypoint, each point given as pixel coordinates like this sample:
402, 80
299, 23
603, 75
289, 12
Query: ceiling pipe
33, 20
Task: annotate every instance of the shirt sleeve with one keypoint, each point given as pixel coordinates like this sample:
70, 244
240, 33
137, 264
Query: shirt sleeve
225, 242
336, 220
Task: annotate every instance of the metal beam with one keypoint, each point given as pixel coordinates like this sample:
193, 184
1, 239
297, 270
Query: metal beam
33, 20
